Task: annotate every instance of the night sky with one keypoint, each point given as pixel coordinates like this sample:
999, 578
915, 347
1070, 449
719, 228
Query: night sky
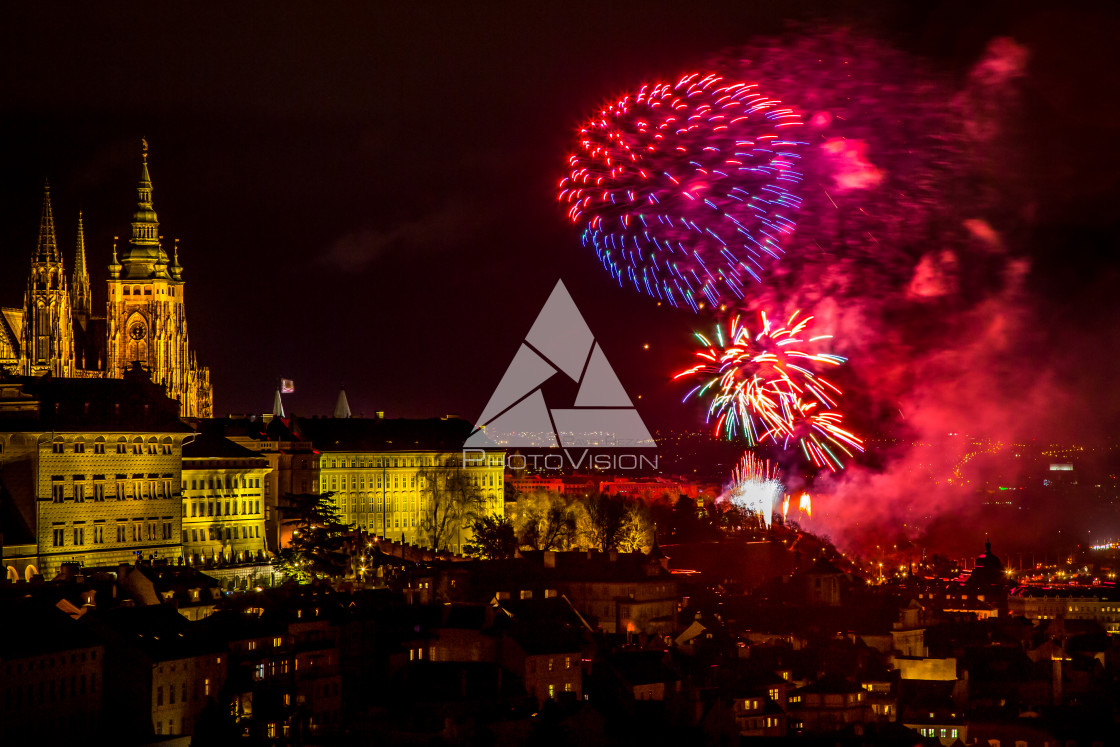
365, 192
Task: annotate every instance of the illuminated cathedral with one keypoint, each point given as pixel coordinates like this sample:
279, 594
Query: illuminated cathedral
55, 332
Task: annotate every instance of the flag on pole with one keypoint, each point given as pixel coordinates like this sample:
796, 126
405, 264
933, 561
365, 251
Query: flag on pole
287, 386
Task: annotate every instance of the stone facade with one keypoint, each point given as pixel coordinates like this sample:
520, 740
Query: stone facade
92, 469
223, 502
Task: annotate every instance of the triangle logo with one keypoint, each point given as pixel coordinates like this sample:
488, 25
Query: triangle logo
560, 342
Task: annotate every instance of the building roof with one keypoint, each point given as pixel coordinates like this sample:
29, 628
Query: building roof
379, 434
642, 667
211, 445
132, 404
831, 684
42, 629
268, 428
158, 631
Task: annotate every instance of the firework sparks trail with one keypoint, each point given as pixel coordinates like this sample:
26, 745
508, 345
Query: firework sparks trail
756, 486
764, 385
817, 433
685, 190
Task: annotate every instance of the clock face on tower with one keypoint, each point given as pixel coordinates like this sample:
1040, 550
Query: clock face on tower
137, 331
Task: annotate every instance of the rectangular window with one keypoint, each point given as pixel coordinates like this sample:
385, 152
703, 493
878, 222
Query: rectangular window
79, 448
58, 492
99, 448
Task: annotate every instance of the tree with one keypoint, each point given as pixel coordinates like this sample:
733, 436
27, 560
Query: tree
317, 546
493, 538
545, 522
607, 519
450, 497
637, 532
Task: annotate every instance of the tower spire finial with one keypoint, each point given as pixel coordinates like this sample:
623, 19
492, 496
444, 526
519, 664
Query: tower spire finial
47, 249
80, 297
144, 257
114, 265
175, 269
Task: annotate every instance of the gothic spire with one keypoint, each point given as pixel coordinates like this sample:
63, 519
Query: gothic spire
47, 250
144, 258
80, 300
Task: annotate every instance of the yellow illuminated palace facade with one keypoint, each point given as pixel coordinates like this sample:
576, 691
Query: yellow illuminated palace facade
384, 493
90, 473
55, 330
223, 502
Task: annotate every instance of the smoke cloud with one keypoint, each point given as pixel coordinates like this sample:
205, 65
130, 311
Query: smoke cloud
902, 252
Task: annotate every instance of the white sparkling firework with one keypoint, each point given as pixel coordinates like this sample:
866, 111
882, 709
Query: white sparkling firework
756, 486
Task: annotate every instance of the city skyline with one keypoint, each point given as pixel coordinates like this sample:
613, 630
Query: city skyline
321, 202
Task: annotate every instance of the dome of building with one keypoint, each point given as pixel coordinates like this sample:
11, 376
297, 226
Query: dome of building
989, 568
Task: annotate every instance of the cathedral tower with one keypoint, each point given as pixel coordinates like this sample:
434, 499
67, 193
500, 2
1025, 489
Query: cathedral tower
47, 335
146, 318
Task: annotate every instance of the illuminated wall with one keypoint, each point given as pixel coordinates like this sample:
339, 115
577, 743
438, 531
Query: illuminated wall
99, 499
224, 504
383, 492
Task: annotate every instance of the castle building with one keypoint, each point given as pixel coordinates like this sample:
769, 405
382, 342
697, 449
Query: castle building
379, 471
293, 462
56, 331
390, 477
90, 473
223, 501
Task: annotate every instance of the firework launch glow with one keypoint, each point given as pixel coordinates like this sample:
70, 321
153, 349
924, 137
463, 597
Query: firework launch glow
765, 385
685, 190
806, 505
756, 486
